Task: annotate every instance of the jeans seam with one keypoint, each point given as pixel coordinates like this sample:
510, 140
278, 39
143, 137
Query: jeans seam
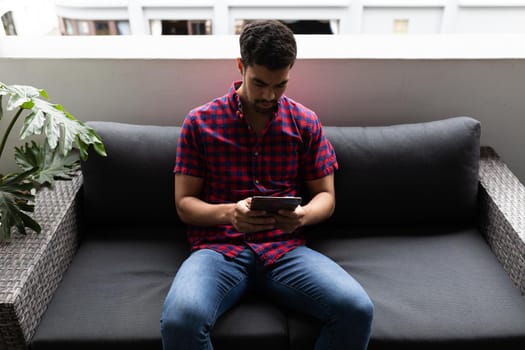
216, 307
324, 305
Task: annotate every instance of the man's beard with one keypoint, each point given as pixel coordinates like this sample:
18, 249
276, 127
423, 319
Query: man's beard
259, 107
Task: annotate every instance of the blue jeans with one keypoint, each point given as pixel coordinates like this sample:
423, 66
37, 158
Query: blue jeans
208, 284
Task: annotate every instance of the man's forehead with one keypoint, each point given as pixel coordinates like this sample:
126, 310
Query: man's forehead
268, 76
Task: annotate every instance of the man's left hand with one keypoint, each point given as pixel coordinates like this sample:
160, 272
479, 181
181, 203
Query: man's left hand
289, 220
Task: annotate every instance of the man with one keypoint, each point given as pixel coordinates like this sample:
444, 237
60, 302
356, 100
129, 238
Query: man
256, 141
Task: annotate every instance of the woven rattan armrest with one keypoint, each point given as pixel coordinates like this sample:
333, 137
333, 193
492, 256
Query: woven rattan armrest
32, 266
502, 214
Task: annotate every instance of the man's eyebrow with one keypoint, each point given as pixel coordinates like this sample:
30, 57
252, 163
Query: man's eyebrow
262, 82
259, 81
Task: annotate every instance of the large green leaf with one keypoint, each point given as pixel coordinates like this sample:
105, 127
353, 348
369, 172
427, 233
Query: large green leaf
61, 129
20, 95
46, 164
1, 107
35, 121
15, 198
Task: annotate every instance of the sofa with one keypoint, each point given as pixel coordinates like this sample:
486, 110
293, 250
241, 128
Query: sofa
430, 223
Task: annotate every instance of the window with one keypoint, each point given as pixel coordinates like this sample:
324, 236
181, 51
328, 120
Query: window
123, 28
83, 28
69, 27
310, 27
410, 20
401, 26
301, 26
9, 24
87, 27
198, 28
185, 27
102, 28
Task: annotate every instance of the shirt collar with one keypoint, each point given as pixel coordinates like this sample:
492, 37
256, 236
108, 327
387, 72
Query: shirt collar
235, 100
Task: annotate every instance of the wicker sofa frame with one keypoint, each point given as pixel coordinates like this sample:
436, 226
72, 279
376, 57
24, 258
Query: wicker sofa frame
32, 266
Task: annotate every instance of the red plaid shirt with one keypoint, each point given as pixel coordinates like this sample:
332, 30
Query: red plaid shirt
218, 145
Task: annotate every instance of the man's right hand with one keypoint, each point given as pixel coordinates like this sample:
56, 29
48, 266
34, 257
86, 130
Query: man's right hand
246, 220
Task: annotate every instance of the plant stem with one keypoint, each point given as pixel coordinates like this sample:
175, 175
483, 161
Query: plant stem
8, 130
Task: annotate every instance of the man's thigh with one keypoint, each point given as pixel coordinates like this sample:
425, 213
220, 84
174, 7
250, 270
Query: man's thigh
206, 285
308, 281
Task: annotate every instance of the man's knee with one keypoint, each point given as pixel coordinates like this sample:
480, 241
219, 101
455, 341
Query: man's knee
365, 308
189, 320
357, 309
362, 311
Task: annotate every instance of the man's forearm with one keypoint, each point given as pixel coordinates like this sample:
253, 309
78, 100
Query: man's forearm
194, 211
320, 208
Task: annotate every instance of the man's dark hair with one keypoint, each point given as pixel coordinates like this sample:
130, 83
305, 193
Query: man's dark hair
268, 43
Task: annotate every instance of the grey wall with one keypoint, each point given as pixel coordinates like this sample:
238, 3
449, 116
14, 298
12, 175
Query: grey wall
342, 91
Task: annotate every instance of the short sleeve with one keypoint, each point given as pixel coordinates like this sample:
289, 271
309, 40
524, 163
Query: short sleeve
189, 159
318, 157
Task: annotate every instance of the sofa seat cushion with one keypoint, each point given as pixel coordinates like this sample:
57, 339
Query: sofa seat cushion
111, 298
430, 287
441, 288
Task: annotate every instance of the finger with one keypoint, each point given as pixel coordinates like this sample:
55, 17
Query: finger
243, 206
257, 213
286, 213
261, 220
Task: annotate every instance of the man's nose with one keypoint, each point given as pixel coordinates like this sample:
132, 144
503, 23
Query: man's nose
269, 95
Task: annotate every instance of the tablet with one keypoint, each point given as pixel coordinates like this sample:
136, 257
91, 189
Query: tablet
274, 204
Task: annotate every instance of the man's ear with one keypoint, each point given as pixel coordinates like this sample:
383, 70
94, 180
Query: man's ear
240, 65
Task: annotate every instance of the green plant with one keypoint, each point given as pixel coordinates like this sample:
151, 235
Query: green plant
63, 139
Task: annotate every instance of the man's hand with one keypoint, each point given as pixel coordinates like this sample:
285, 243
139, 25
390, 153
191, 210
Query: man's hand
246, 220
290, 220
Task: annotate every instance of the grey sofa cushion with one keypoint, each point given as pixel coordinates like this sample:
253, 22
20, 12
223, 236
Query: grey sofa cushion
432, 288
412, 173
112, 295
406, 174
133, 185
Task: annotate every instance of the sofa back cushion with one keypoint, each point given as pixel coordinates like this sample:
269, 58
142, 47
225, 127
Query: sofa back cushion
403, 174
406, 174
134, 184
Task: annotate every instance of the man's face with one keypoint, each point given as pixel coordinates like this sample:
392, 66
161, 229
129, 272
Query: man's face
262, 87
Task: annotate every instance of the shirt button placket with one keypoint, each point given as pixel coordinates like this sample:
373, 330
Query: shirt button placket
257, 168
